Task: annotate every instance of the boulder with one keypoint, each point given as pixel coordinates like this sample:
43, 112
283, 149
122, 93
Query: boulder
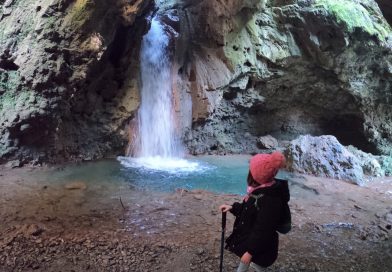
323, 156
13, 164
267, 142
370, 164
386, 165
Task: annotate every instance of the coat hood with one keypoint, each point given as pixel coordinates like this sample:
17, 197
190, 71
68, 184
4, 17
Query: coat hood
279, 189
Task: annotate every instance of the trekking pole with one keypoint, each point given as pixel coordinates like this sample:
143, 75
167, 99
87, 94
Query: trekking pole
222, 240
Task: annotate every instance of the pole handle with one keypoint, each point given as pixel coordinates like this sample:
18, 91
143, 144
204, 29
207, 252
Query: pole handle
223, 220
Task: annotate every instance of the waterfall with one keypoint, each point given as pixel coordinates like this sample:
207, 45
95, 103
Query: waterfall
156, 121
157, 146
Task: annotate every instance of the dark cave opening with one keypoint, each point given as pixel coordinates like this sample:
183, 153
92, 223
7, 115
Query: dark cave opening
289, 123
386, 9
349, 130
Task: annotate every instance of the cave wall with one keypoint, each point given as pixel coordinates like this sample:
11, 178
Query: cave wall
287, 68
62, 95
69, 75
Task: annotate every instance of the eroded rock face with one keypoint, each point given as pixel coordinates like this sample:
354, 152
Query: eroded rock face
290, 68
243, 69
323, 156
61, 94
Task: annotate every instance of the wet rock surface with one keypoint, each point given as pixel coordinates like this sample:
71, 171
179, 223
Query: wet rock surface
336, 227
323, 156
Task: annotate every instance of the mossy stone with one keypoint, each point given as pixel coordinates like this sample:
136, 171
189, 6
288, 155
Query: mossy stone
354, 14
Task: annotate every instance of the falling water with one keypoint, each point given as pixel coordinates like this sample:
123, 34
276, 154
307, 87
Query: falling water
159, 148
157, 131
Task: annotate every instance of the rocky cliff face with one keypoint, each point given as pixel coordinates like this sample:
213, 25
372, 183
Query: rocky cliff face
288, 68
61, 93
242, 68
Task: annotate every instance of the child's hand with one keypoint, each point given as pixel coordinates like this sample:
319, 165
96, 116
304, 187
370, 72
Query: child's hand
225, 208
246, 258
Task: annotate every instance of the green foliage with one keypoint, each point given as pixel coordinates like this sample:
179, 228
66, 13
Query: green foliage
354, 15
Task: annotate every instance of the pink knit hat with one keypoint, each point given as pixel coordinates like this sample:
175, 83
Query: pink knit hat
264, 167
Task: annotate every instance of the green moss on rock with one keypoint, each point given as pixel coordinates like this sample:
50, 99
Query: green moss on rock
354, 14
80, 13
9, 80
13, 101
13, 97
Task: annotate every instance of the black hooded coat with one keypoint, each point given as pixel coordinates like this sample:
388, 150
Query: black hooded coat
256, 221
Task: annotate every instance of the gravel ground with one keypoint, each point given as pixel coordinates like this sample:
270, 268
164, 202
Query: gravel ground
81, 227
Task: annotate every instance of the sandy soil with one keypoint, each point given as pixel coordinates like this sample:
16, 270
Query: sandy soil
46, 227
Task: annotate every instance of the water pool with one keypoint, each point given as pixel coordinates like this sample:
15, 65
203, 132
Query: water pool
219, 174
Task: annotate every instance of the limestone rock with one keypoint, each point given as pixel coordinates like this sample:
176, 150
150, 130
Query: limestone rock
323, 156
57, 77
267, 142
386, 164
310, 68
370, 164
13, 164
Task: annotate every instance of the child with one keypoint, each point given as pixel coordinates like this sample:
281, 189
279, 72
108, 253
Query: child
254, 238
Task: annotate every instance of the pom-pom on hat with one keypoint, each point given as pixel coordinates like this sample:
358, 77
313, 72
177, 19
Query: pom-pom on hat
263, 167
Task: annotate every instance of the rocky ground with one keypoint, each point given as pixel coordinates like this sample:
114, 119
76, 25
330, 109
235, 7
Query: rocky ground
112, 227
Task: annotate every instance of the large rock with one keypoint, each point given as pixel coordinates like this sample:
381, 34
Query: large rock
267, 142
62, 93
370, 164
323, 156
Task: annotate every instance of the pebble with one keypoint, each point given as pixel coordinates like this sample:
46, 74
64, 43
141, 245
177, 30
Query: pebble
76, 185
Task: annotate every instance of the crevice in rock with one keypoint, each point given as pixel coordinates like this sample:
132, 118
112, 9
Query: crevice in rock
118, 46
8, 65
